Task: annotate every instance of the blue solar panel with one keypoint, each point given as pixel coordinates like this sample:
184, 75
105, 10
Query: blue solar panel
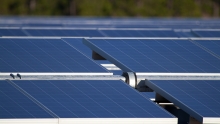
198, 98
87, 32
211, 46
92, 99
64, 32
139, 33
185, 34
207, 33
11, 32
43, 55
155, 55
14, 104
110, 22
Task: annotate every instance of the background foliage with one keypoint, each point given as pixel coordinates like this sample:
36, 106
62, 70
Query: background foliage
114, 8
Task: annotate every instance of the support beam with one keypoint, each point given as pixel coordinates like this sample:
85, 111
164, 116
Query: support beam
178, 76
62, 77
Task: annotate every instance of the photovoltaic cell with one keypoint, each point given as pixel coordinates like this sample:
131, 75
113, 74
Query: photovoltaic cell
155, 55
198, 98
14, 104
43, 55
92, 99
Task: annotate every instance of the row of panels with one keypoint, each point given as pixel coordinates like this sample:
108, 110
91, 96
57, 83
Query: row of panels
108, 22
71, 32
106, 99
130, 55
65, 32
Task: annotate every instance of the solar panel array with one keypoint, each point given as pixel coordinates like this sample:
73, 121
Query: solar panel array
108, 32
62, 47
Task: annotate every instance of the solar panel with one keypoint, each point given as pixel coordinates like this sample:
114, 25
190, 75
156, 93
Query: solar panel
155, 55
64, 32
207, 33
187, 33
211, 46
200, 99
109, 22
139, 33
91, 99
11, 32
14, 104
43, 55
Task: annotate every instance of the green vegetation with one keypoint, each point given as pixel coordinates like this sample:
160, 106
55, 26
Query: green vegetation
113, 8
